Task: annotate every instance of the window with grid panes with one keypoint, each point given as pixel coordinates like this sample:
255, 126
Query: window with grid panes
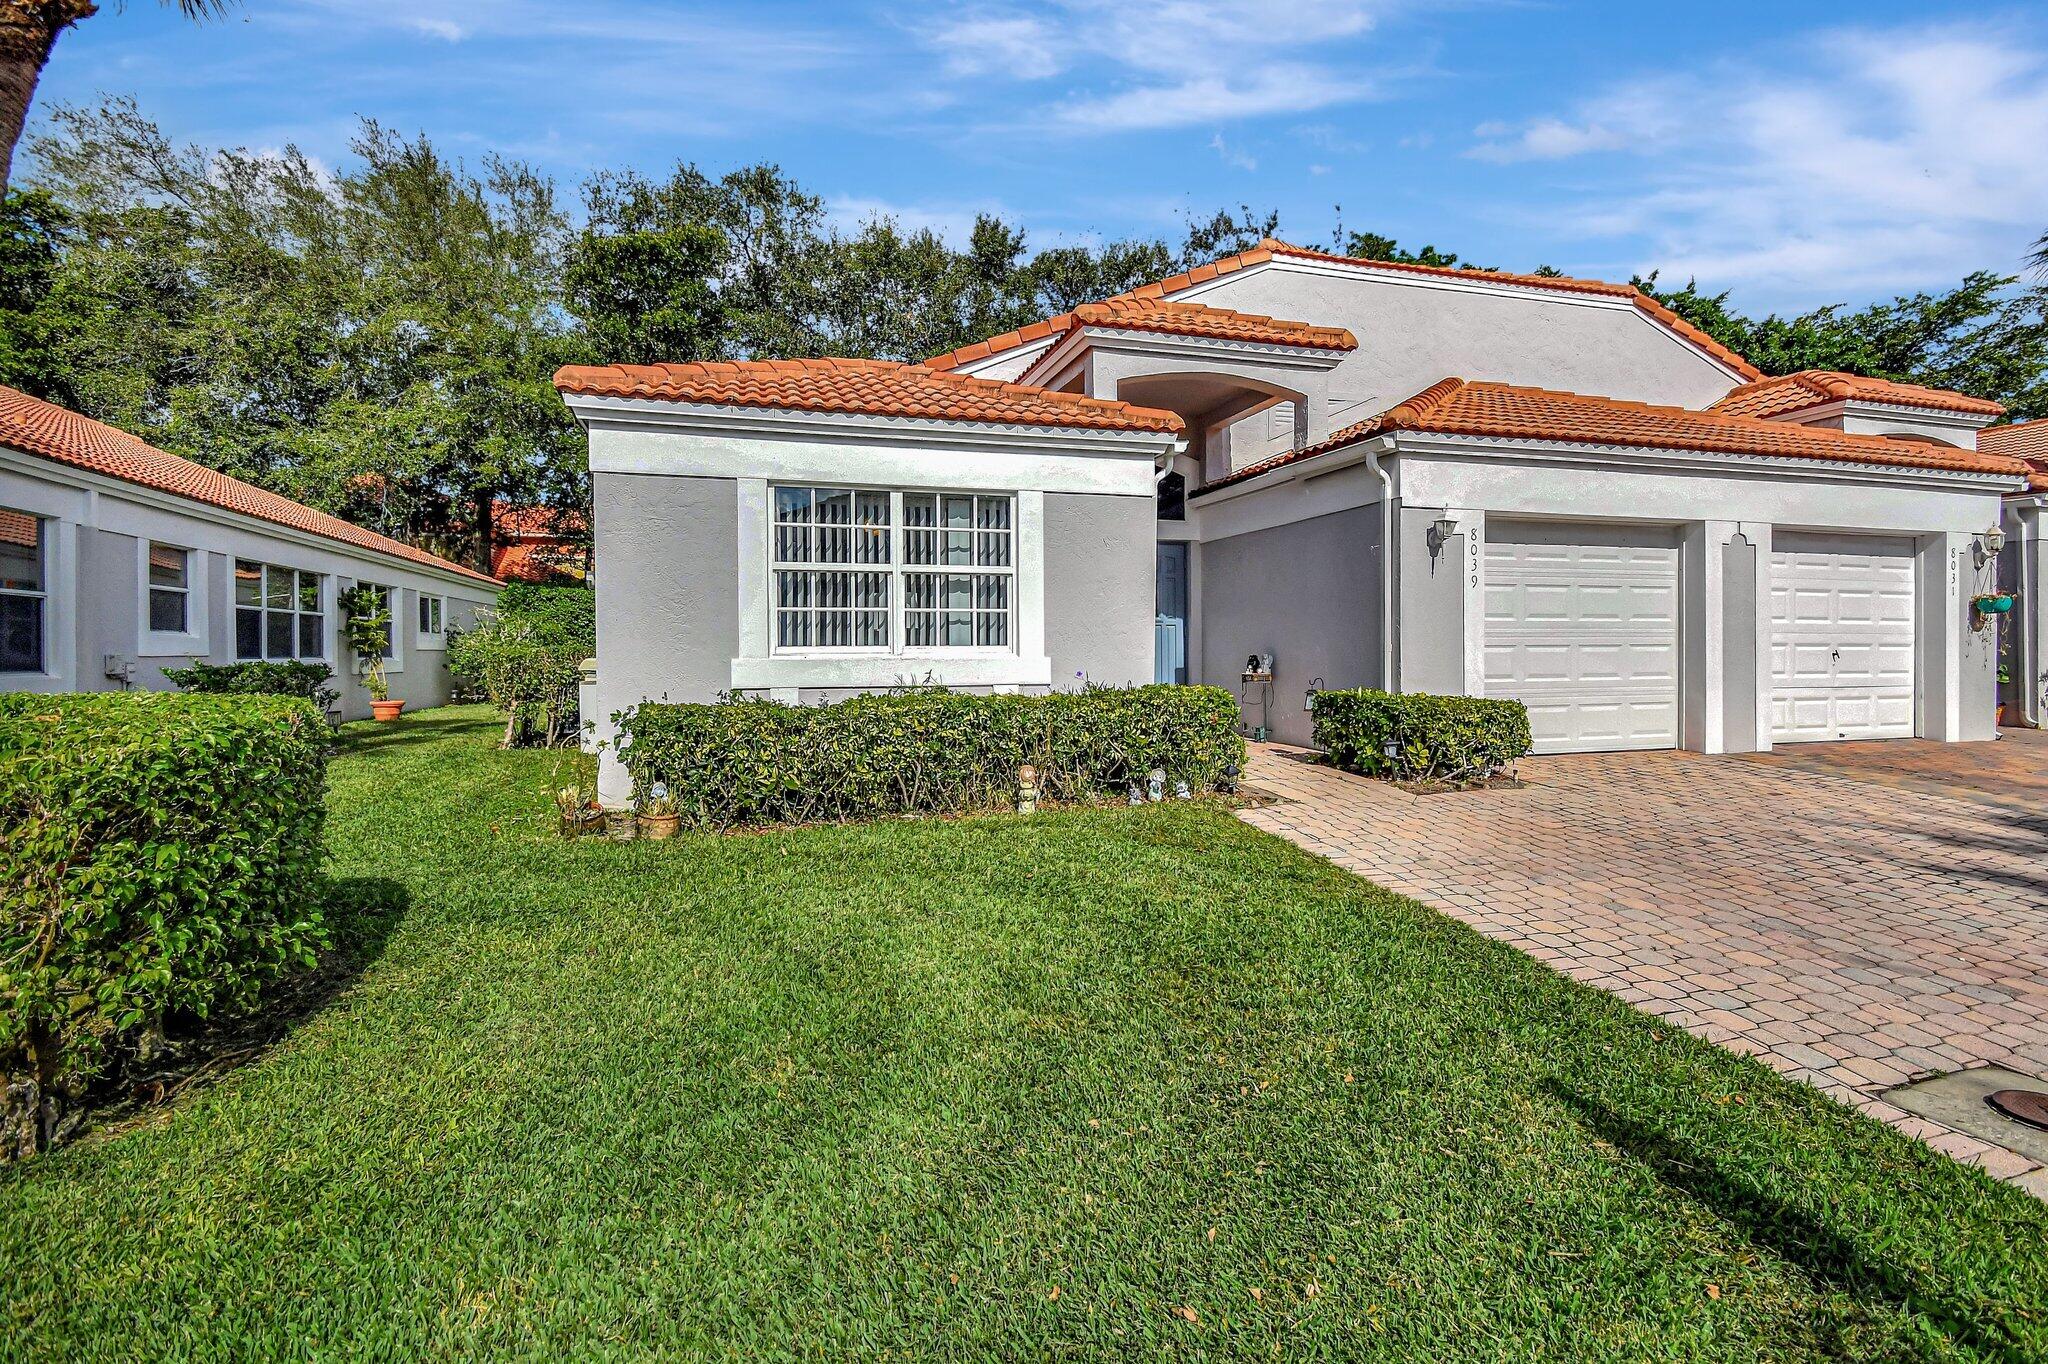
861, 569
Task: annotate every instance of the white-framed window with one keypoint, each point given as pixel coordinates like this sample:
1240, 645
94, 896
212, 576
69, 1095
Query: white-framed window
387, 603
24, 591
432, 610
278, 613
875, 571
170, 589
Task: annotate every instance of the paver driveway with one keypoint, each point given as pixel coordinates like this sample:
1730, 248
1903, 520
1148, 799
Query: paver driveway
1855, 915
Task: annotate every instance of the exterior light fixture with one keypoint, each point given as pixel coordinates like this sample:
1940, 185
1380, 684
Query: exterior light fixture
1440, 532
1994, 540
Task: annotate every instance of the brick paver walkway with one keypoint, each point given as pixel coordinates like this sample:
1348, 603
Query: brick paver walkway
1854, 915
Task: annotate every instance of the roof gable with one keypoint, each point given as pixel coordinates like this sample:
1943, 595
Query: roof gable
1271, 249
1809, 388
1130, 313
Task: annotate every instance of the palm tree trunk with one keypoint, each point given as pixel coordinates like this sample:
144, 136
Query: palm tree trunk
28, 30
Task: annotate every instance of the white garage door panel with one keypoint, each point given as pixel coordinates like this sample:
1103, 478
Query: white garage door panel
1582, 627
1841, 638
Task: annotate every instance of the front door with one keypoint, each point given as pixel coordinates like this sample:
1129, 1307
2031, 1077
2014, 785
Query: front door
1170, 623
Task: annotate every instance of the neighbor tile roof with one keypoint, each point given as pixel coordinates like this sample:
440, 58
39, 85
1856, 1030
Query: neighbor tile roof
882, 388
1152, 314
2026, 441
59, 434
1457, 407
539, 561
1271, 248
1787, 393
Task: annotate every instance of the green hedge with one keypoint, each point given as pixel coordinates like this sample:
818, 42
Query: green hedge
1459, 740
758, 762
308, 680
161, 854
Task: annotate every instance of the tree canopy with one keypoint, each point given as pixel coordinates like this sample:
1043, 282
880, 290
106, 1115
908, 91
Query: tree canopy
378, 341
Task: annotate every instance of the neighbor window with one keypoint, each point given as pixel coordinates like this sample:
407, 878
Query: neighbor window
277, 612
23, 590
387, 604
430, 615
858, 569
170, 589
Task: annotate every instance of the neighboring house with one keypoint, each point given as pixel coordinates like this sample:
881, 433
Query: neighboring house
118, 560
2023, 570
1378, 474
538, 544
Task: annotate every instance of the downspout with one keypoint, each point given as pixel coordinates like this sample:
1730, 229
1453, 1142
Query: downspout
1372, 462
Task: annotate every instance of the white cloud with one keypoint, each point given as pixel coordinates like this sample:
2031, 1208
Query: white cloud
1147, 64
1233, 156
446, 29
1853, 162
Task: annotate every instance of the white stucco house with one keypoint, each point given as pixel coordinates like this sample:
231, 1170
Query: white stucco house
1377, 474
118, 560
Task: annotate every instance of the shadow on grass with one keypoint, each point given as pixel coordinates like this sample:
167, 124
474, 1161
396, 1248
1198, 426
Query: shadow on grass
1793, 1234
365, 736
362, 912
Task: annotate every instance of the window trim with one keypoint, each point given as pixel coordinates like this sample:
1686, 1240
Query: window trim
41, 596
898, 571
325, 584
193, 639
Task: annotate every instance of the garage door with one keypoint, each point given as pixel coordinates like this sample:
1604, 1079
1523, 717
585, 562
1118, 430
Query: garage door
1841, 638
1582, 627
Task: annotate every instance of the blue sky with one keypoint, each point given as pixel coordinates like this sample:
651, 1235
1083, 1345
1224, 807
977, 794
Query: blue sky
1792, 155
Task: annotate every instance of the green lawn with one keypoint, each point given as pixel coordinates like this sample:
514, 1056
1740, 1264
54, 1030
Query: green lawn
1132, 1082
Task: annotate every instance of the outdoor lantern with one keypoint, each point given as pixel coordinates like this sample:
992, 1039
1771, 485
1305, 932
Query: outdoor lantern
1440, 532
1994, 540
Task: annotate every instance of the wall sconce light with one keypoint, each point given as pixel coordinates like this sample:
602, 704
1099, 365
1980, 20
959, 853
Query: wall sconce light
1440, 532
1994, 541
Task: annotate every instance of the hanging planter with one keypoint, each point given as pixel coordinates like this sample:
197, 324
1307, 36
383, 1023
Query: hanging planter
1992, 603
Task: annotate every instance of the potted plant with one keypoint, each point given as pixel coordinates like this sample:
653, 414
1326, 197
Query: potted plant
366, 626
658, 817
579, 811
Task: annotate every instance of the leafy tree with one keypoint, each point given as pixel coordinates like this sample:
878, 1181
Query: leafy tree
34, 230
28, 32
377, 343
1987, 336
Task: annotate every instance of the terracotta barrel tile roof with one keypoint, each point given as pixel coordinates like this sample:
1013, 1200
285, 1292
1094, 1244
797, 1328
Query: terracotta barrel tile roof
2025, 441
1456, 407
1813, 387
882, 388
59, 434
1151, 314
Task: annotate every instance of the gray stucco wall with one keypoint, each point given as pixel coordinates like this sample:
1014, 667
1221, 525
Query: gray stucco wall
668, 591
1430, 605
1100, 558
1307, 593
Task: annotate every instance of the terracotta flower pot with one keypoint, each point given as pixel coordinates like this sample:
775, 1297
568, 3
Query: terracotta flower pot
386, 711
660, 826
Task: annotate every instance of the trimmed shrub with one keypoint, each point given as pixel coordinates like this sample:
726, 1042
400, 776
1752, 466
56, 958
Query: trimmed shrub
749, 762
554, 615
306, 680
1458, 740
523, 656
161, 854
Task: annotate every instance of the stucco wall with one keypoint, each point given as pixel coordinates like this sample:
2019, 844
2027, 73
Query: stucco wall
667, 603
1307, 593
94, 568
1413, 331
1099, 593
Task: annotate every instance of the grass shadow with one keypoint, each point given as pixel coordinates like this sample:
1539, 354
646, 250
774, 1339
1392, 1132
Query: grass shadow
1793, 1234
362, 912
432, 726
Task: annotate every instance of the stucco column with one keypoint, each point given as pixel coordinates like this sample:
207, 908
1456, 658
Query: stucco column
1941, 608
1471, 544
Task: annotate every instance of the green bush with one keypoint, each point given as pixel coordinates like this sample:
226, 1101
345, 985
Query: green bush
161, 854
555, 616
305, 680
532, 682
1459, 740
751, 762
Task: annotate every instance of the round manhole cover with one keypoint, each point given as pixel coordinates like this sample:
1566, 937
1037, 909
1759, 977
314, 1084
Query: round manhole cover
2026, 1105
